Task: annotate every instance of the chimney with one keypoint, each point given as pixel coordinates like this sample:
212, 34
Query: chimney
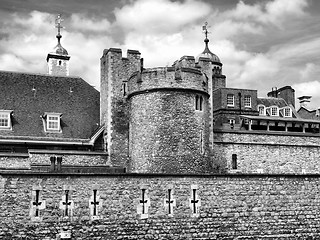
273, 93
59, 163
53, 164
304, 101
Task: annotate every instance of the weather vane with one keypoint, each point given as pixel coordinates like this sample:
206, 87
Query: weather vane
58, 24
205, 29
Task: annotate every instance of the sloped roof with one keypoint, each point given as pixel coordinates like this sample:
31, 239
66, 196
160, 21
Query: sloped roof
270, 101
31, 95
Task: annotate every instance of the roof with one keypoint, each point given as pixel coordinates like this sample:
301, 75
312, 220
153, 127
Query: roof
280, 119
270, 101
30, 96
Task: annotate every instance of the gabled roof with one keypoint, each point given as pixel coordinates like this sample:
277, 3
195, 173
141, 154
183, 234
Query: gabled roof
270, 101
30, 96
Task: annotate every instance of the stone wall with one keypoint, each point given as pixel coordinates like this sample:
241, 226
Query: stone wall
167, 133
115, 71
43, 157
267, 152
228, 206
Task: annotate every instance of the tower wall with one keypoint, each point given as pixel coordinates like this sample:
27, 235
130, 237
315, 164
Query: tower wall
115, 70
58, 65
167, 133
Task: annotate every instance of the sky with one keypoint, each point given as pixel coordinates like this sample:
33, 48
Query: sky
262, 44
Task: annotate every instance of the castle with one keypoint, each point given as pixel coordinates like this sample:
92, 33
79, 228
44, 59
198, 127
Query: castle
173, 145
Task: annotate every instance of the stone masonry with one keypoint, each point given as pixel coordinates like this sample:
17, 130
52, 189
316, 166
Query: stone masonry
232, 206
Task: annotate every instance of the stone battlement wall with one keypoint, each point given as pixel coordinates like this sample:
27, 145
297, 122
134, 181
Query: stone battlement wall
167, 77
201, 207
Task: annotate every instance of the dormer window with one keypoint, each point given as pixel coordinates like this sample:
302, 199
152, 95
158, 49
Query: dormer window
52, 122
5, 119
287, 112
262, 110
274, 111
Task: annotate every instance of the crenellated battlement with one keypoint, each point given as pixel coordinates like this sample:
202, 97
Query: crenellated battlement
179, 76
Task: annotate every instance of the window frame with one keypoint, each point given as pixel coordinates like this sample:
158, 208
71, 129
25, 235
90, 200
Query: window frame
284, 112
48, 122
198, 103
245, 100
5, 115
229, 99
264, 110
277, 111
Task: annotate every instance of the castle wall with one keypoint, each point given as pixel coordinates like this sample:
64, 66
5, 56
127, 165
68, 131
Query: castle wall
43, 157
229, 206
115, 70
267, 152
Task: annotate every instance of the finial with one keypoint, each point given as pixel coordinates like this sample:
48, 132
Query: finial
58, 25
205, 30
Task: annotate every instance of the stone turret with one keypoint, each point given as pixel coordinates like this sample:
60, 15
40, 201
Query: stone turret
115, 70
169, 119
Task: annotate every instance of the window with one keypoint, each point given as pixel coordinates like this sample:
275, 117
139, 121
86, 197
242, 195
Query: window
262, 110
274, 111
59, 63
5, 119
234, 164
199, 103
124, 88
232, 122
52, 122
287, 112
247, 101
230, 100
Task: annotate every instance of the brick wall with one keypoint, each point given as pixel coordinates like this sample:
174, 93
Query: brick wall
273, 153
232, 207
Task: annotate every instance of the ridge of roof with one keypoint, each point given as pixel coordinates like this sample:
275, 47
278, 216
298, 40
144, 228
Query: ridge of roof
40, 74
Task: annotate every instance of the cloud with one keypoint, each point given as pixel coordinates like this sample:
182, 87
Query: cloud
83, 23
274, 12
160, 16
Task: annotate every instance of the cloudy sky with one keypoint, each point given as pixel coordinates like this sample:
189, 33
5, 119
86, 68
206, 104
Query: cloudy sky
262, 44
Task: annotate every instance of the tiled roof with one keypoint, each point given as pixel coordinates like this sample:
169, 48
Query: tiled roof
270, 101
31, 95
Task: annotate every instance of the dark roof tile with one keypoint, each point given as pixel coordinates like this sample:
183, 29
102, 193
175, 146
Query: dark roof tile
80, 107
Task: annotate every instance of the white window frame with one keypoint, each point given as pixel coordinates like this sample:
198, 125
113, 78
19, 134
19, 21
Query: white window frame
264, 110
285, 113
277, 111
247, 101
229, 104
55, 119
5, 115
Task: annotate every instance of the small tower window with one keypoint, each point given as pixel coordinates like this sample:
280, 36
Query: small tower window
124, 88
234, 164
199, 103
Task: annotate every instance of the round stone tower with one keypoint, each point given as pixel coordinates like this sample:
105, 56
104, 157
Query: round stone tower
169, 119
